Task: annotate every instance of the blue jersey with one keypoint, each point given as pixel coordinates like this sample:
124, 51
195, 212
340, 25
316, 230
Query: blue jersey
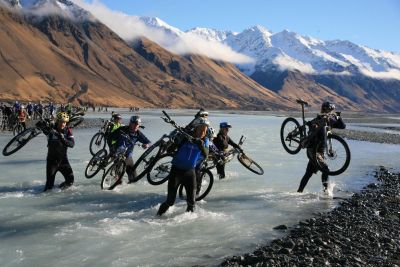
189, 155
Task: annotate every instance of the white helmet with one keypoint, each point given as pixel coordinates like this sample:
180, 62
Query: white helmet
201, 121
210, 132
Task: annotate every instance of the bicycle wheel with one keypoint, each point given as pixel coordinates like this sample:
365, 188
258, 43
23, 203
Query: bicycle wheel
18, 129
336, 157
205, 182
75, 121
20, 140
250, 164
113, 176
97, 143
159, 170
291, 134
145, 161
96, 163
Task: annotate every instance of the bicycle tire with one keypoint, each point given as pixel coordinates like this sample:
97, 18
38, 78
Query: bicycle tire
75, 121
18, 129
145, 161
205, 188
291, 135
20, 140
250, 164
158, 172
97, 143
95, 164
331, 159
112, 177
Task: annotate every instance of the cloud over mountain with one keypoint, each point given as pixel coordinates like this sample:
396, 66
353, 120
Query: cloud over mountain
132, 27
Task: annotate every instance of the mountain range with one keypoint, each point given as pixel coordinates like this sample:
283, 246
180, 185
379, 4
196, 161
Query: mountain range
58, 56
54, 49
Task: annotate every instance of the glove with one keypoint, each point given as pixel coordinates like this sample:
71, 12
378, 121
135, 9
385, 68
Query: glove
338, 113
198, 142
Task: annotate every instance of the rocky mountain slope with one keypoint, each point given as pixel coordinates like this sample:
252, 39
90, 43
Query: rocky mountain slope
62, 56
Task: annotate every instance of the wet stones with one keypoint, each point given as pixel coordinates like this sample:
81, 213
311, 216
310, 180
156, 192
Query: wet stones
362, 231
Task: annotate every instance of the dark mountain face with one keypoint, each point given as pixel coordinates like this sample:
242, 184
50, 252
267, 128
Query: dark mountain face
355, 92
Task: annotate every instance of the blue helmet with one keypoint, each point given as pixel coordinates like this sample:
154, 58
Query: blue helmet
225, 125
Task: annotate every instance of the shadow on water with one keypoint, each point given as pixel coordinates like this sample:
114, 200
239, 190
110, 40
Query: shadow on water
20, 162
32, 189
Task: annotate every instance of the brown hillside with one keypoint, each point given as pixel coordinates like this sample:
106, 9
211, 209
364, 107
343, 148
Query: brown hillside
53, 58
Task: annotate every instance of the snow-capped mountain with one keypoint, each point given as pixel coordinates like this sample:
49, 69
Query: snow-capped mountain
288, 50
210, 34
65, 8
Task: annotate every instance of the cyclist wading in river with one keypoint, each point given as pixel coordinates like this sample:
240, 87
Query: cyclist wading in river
59, 137
222, 142
189, 153
335, 121
132, 132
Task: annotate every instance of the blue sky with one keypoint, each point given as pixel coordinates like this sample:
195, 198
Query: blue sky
374, 23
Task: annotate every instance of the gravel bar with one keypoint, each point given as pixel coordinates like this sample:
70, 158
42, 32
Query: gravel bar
362, 231
376, 137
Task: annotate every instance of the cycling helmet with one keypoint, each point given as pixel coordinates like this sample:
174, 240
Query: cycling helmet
225, 125
203, 114
22, 107
327, 107
200, 121
135, 119
116, 116
210, 132
63, 116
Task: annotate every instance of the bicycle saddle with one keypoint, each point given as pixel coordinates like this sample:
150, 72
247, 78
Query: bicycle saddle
302, 102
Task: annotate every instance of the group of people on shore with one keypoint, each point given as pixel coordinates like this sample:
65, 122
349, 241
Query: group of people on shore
12, 113
187, 158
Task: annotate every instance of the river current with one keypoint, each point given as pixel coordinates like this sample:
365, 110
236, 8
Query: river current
87, 226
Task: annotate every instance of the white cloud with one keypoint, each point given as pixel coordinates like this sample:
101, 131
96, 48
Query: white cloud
286, 62
131, 27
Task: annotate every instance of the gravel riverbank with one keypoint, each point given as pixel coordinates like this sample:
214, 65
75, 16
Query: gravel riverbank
362, 231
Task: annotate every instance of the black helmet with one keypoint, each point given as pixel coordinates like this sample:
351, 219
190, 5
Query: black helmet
135, 119
327, 107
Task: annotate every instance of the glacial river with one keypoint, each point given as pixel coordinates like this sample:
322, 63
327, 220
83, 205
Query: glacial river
85, 226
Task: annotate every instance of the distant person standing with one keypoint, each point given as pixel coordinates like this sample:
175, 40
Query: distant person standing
335, 121
22, 114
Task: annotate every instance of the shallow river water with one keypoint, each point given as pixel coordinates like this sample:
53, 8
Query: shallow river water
85, 226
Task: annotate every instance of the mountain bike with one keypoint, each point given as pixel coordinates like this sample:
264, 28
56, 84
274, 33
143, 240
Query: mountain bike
331, 154
167, 144
75, 119
113, 176
205, 178
98, 162
98, 141
20, 140
18, 128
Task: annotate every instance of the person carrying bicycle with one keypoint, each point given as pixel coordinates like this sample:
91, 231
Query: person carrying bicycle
60, 138
316, 134
184, 162
116, 120
126, 137
222, 142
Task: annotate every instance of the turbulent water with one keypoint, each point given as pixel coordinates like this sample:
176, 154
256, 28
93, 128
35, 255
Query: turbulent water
85, 226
